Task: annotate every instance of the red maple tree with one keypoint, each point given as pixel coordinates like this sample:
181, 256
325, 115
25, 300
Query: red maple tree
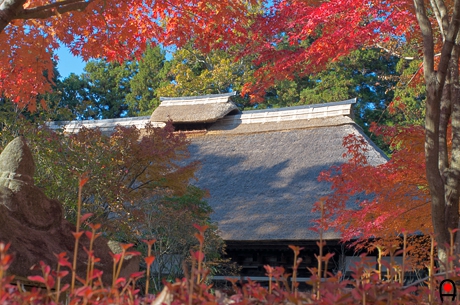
31, 30
294, 37
299, 37
397, 192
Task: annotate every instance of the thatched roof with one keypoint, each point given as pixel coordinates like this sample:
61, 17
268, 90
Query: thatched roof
194, 109
261, 166
262, 178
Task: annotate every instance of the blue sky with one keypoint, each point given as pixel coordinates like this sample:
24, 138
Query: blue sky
68, 63
71, 64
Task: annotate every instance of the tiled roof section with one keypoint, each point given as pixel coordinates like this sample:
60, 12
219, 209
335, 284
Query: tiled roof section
194, 109
241, 128
302, 112
288, 118
106, 126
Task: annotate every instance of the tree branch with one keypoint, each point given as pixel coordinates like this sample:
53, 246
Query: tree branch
445, 114
427, 33
447, 47
8, 10
49, 10
396, 54
440, 11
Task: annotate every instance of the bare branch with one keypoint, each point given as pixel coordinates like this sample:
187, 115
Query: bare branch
427, 33
440, 11
423, 280
396, 54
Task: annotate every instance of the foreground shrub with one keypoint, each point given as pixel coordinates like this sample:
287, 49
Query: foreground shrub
139, 187
365, 287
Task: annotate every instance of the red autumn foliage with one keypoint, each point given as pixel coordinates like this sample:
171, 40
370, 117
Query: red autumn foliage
30, 32
397, 197
296, 37
364, 287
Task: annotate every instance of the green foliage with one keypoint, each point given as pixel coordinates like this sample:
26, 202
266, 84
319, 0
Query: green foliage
408, 105
368, 75
124, 168
111, 90
196, 73
170, 222
371, 76
98, 93
381, 83
151, 74
72, 94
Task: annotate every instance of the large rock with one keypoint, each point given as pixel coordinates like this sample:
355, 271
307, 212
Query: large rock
34, 224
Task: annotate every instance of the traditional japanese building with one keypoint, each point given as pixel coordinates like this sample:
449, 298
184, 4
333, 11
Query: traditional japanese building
261, 169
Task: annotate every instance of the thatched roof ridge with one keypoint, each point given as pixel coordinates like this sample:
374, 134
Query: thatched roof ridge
196, 97
194, 109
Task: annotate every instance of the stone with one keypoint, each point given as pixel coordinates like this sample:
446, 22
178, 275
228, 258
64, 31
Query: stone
34, 225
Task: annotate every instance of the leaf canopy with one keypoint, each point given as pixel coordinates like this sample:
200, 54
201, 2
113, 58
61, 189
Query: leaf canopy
30, 32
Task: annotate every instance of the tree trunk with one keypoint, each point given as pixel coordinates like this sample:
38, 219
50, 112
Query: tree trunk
8, 11
442, 105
